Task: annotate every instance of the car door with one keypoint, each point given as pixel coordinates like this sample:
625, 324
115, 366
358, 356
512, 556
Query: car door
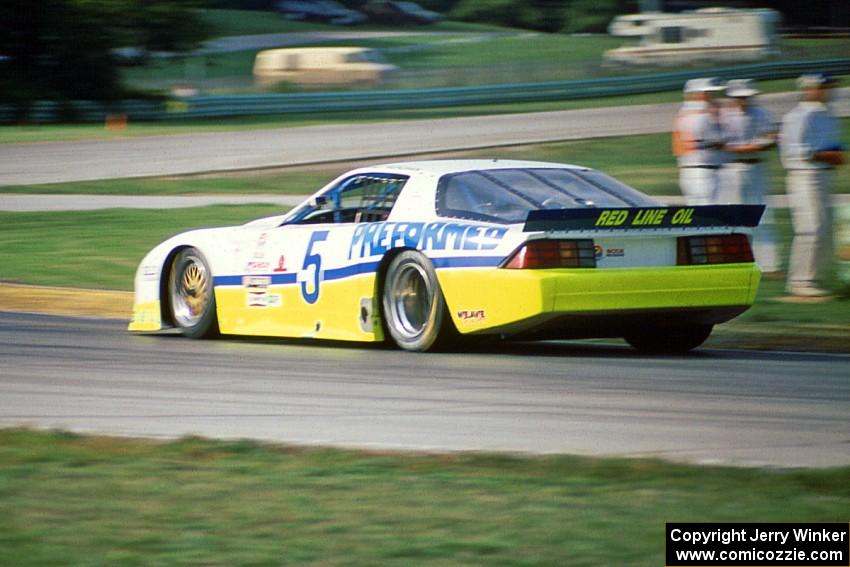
300, 279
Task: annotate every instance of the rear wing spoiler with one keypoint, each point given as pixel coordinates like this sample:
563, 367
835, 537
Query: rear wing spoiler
636, 218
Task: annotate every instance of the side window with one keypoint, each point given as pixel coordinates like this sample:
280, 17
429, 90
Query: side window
672, 34
361, 198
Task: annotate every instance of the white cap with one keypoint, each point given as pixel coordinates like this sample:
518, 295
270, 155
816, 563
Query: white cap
702, 85
741, 88
815, 80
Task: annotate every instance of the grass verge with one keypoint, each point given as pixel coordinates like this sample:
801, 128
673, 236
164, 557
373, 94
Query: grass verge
99, 249
83, 500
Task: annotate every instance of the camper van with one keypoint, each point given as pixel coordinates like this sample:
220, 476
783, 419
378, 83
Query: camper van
320, 66
710, 34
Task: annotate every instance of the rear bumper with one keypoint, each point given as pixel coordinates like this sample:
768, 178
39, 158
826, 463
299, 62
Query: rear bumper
592, 302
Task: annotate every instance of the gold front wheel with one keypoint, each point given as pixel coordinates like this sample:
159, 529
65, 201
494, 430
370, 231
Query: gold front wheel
190, 294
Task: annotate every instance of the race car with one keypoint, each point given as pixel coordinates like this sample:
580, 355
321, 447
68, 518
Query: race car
426, 253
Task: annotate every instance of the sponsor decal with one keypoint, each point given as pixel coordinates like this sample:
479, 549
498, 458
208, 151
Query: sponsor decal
601, 252
373, 239
257, 288
260, 252
281, 264
645, 217
471, 315
258, 266
256, 282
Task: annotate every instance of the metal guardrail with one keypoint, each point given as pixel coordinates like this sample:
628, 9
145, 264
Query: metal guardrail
321, 102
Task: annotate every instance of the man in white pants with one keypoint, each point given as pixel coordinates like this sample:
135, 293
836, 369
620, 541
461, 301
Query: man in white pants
698, 142
811, 150
749, 131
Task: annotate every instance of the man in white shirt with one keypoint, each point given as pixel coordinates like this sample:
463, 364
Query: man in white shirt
811, 149
749, 131
698, 142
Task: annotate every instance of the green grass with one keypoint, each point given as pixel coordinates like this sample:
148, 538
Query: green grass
289, 183
821, 48
74, 500
99, 249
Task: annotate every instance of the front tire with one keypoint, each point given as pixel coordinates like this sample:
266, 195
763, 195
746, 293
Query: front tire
190, 294
669, 340
413, 305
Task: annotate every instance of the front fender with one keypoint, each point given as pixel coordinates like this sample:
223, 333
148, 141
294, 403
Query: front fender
148, 304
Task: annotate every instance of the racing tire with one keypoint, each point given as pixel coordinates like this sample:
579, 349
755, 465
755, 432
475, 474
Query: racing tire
414, 309
669, 340
190, 295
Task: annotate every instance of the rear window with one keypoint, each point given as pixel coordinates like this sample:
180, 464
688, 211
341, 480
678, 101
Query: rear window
507, 195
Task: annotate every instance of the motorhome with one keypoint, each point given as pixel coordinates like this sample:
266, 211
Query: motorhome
709, 34
320, 66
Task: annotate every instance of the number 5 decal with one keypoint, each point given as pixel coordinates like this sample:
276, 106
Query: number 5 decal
314, 260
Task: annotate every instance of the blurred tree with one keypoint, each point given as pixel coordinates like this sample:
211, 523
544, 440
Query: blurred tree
266, 5
65, 49
593, 16
543, 15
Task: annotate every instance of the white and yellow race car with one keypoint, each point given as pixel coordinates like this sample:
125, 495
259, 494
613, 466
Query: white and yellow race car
424, 253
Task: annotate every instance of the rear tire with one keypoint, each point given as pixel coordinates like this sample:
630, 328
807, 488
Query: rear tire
190, 295
414, 309
669, 340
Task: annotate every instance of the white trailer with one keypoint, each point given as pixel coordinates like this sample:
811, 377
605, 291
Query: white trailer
710, 34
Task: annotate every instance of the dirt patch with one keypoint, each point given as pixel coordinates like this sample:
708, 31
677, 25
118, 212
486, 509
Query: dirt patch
66, 301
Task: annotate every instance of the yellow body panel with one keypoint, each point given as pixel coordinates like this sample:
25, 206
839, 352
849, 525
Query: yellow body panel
146, 317
482, 299
479, 299
338, 314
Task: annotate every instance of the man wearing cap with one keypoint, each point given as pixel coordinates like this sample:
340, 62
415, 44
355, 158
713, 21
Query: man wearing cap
749, 130
698, 142
811, 149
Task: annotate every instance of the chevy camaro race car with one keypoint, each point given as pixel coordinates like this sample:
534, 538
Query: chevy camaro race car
424, 253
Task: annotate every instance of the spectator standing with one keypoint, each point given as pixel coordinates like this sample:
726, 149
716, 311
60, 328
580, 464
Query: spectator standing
698, 142
749, 131
811, 149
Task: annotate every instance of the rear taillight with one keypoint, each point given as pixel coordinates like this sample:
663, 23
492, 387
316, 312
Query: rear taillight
723, 249
546, 253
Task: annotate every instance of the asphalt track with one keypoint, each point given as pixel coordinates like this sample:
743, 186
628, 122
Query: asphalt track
741, 408
56, 162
